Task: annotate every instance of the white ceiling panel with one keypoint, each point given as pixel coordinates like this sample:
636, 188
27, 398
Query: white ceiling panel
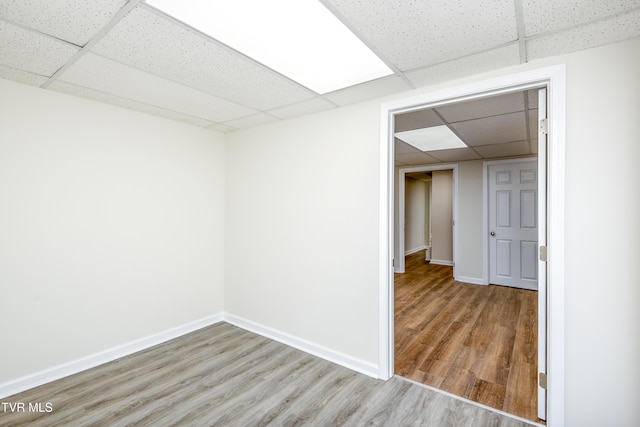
504, 56
149, 41
83, 92
493, 130
31, 51
95, 72
611, 30
420, 33
491, 106
75, 21
520, 148
21, 76
311, 106
370, 90
541, 16
251, 121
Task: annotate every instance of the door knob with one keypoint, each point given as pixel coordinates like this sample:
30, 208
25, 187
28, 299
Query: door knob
493, 234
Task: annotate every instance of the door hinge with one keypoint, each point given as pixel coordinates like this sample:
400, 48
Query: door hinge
542, 380
543, 253
543, 126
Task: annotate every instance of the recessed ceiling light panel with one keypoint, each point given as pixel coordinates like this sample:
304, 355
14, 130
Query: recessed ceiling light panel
431, 139
300, 39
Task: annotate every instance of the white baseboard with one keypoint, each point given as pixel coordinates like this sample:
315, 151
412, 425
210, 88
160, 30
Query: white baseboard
350, 362
414, 250
36, 379
47, 375
472, 280
442, 262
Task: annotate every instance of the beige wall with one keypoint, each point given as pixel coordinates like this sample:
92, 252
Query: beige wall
111, 227
442, 217
416, 215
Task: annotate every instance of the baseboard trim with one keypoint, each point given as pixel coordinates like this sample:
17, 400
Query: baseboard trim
472, 280
36, 379
414, 250
350, 362
442, 262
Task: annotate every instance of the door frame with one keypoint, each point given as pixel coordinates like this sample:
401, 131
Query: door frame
402, 172
554, 79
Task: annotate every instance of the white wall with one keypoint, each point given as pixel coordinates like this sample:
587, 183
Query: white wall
292, 202
111, 227
302, 203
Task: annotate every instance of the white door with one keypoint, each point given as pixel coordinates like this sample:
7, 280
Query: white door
513, 224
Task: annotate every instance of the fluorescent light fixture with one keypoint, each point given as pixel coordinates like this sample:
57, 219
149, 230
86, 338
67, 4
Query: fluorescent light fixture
431, 139
300, 39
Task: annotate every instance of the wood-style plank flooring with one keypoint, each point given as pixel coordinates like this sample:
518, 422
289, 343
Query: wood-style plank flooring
477, 342
225, 376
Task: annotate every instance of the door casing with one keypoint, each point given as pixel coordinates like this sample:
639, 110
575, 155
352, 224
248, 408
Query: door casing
554, 80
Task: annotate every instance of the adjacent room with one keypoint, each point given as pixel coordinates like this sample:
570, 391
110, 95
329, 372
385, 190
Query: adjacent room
193, 220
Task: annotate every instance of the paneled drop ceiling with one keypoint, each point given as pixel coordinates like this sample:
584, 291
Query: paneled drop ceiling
129, 54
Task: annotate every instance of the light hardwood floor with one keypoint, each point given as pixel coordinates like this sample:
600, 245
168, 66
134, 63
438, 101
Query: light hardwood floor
477, 342
225, 376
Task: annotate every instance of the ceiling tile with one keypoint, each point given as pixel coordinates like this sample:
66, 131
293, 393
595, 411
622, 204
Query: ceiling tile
504, 56
541, 16
401, 147
147, 40
95, 95
21, 76
251, 121
532, 95
95, 72
370, 90
533, 123
520, 148
75, 21
31, 51
493, 130
416, 34
455, 155
418, 158
490, 106
611, 30
305, 107
416, 120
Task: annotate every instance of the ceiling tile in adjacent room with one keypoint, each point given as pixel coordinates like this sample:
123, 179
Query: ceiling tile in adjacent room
152, 42
520, 148
458, 154
402, 147
414, 34
418, 158
483, 107
75, 21
96, 72
493, 130
33, 52
542, 16
473, 64
416, 120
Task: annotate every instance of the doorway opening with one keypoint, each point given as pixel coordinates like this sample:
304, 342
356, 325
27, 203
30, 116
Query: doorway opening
552, 167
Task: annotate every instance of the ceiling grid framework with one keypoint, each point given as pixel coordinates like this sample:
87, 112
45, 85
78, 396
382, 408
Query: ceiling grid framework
129, 54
